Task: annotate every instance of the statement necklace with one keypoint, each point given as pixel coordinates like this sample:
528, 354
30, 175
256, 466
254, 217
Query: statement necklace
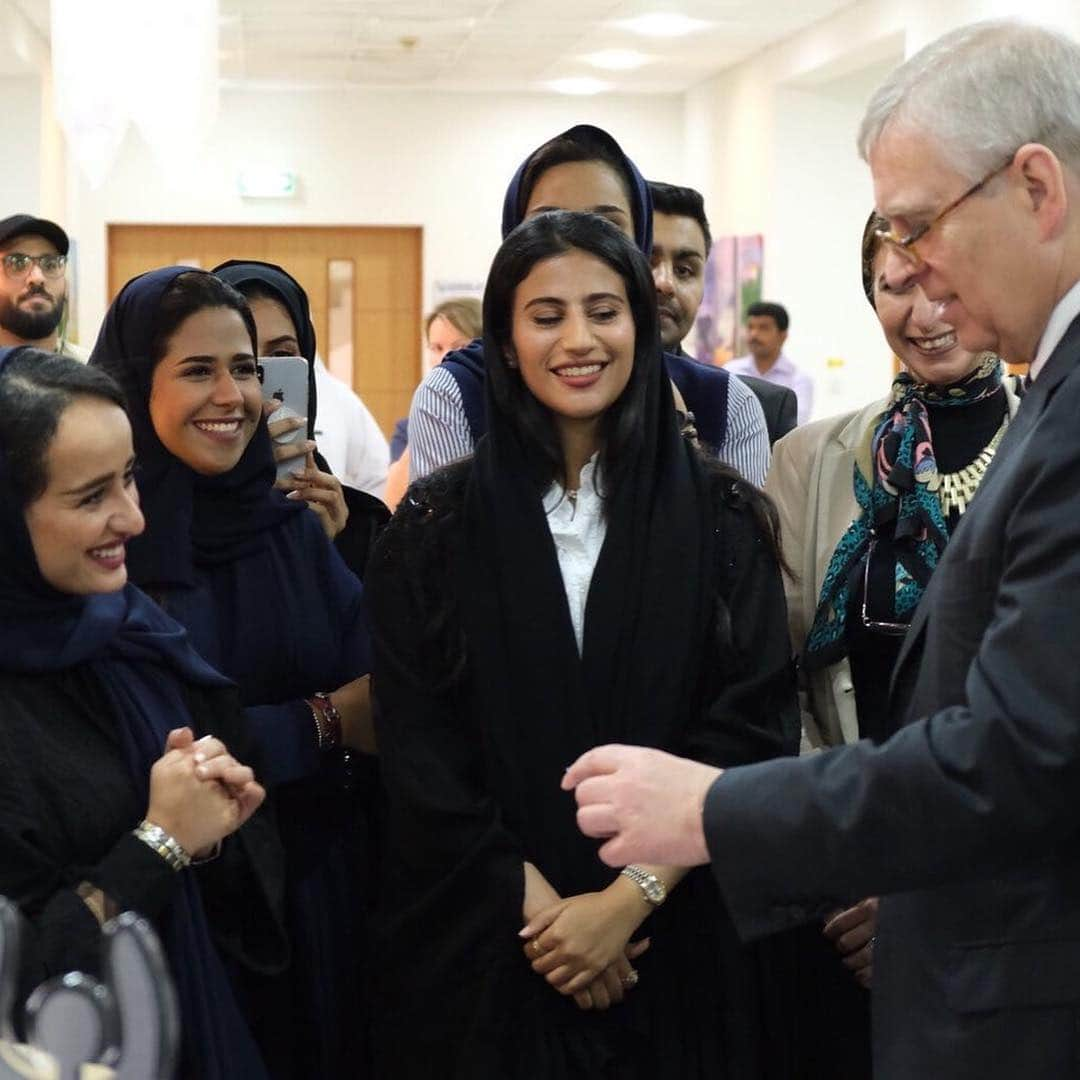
956, 489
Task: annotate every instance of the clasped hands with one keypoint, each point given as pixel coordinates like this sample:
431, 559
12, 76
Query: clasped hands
199, 793
581, 945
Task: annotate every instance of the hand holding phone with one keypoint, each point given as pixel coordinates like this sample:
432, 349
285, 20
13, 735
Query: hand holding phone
285, 382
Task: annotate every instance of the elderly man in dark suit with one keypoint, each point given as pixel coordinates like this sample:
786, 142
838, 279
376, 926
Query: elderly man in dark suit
967, 821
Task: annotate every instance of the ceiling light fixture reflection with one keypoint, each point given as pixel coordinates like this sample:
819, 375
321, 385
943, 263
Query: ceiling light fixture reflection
618, 59
580, 86
663, 24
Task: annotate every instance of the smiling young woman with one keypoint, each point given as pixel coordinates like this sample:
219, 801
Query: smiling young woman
266, 598
107, 801
563, 586
205, 398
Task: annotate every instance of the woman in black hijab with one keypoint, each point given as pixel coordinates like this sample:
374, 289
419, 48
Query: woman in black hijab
101, 696
585, 576
259, 283
268, 601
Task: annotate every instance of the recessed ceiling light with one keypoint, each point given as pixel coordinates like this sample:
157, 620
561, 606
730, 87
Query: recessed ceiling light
618, 59
664, 24
582, 85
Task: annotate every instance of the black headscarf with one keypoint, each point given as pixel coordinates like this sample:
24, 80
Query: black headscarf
647, 618
191, 520
130, 644
286, 289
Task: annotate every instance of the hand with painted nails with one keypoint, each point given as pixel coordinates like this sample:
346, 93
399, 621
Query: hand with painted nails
199, 793
285, 451
322, 492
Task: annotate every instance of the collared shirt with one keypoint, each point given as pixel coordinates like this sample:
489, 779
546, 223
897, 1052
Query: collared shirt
75, 352
578, 528
439, 430
348, 436
783, 373
1061, 318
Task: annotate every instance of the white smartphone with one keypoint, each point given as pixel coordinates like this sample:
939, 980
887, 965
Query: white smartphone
285, 379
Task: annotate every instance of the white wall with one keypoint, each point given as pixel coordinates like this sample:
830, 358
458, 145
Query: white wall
20, 135
771, 143
364, 158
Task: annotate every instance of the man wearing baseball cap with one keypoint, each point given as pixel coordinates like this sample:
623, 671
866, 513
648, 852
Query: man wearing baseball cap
33, 286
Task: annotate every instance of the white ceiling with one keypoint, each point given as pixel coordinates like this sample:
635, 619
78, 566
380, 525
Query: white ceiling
483, 45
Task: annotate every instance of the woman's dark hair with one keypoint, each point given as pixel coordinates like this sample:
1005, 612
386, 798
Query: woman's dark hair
253, 289
35, 389
188, 294
871, 244
544, 237
580, 144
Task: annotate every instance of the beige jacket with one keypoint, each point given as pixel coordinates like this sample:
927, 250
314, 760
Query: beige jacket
811, 482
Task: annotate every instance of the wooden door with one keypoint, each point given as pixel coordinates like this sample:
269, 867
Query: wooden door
364, 283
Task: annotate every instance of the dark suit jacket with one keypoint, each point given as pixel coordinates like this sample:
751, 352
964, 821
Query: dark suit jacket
970, 814
780, 405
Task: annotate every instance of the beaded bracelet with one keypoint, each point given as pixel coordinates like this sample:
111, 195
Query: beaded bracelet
168, 847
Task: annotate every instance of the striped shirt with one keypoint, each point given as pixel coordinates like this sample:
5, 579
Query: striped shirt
439, 431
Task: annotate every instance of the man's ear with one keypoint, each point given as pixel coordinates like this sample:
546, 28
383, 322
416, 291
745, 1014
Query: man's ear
1044, 189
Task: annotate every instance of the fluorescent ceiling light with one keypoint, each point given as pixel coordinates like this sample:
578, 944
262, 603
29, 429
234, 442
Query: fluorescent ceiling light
663, 24
618, 59
583, 85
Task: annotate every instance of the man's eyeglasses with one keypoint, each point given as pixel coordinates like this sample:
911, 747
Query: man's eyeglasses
906, 244
17, 264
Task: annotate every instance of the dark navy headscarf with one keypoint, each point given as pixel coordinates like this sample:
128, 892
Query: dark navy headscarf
640, 199
191, 520
142, 658
290, 293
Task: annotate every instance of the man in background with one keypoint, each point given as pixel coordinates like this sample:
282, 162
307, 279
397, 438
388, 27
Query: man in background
681, 243
766, 331
33, 285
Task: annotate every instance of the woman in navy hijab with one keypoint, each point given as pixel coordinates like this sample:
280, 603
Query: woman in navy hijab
102, 697
282, 314
268, 601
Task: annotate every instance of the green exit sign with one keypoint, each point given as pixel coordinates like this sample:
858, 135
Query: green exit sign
267, 184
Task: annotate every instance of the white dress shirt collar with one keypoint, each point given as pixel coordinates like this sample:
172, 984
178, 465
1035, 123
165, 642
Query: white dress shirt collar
1061, 318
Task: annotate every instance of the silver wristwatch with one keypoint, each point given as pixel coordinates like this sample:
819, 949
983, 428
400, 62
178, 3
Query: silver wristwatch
168, 847
652, 888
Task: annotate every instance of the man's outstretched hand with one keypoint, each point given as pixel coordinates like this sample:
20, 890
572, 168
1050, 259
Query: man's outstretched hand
646, 802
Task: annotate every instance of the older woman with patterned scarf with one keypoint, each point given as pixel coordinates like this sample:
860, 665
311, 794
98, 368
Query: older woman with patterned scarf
867, 503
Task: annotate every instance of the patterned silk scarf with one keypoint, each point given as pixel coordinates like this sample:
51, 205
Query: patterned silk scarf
900, 507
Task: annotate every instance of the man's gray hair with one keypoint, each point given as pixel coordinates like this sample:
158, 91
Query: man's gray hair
981, 92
